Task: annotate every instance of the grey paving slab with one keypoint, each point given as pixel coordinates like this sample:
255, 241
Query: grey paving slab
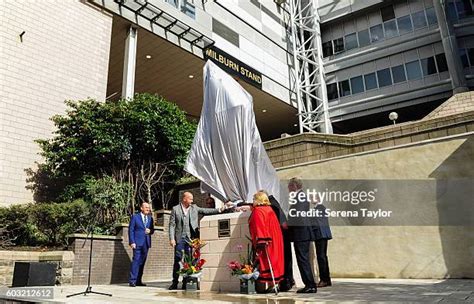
342, 291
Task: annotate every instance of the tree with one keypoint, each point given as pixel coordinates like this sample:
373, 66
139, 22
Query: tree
136, 141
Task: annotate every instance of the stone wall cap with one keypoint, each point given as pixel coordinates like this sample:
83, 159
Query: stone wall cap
96, 236
124, 225
65, 255
212, 218
163, 211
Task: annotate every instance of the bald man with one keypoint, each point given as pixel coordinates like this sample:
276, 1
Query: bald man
184, 224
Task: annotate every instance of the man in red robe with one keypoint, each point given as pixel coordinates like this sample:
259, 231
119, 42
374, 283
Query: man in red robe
267, 239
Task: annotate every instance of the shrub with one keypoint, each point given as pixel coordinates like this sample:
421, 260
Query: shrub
119, 138
56, 221
46, 224
107, 201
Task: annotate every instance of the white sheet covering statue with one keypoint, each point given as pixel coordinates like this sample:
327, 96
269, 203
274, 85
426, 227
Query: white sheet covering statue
227, 154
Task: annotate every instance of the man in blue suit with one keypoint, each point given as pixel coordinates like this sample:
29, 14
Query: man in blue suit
140, 230
322, 234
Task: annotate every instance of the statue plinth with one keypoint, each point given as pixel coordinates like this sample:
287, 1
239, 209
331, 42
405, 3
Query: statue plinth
225, 244
226, 236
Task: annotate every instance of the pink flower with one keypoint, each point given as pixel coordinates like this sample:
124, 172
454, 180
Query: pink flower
233, 265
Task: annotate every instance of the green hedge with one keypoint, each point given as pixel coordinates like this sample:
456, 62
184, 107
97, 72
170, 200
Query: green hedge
46, 224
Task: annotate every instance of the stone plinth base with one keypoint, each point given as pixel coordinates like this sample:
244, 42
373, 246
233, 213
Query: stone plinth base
219, 251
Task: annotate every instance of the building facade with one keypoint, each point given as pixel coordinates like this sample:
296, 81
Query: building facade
403, 56
379, 56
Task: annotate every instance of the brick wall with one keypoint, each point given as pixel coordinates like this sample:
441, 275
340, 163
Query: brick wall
459, 103
112, 256
194, 188
64, 56
309, 147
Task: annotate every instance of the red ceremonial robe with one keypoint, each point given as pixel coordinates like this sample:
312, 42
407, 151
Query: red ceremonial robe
265, 228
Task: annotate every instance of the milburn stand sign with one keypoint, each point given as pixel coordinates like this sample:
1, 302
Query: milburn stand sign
234, 66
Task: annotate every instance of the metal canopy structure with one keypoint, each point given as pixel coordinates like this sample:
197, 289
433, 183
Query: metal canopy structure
156, 16
307, 77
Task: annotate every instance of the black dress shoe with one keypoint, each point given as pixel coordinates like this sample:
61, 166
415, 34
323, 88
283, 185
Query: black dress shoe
141, 284
286, 285
324, 284
173, 286
132, 284
307, 290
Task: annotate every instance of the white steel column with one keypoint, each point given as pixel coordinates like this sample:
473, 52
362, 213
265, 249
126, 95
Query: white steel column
310, 85
129, 63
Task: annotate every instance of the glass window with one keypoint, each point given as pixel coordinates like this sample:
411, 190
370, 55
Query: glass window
173, 2
370, 81
364, 38
327, 49
419, 19
188, 8
376, 33
404, 25
332, 91
357, 85
344, 88
390, 29
428, 66
470, 54
338, 45
413, 70
351, 41
442, 64
464, 8
387, 13
464, 60
451, 11
384, 77
398, 73
431, 16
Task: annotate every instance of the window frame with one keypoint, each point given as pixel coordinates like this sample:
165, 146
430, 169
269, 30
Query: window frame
382, 30
376, 81
404, 74
424, 18
340, 88
389, 74
337, 90
352, 87
419, 69
334, 46
427, 59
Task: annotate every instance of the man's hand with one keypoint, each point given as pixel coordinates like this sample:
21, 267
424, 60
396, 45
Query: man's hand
134, 246
147, 231
244, 208
229, 205
173, 243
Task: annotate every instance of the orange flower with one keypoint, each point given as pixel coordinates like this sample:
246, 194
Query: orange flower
247, 269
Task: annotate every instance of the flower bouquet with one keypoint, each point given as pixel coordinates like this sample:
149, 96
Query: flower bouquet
245, 270
191, 263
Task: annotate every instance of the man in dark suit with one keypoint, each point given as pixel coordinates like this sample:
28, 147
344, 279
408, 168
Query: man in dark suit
322, 234
184, 225
140, 230
301, 234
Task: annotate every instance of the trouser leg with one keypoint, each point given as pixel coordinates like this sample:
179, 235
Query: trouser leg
323, 263
304, 265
